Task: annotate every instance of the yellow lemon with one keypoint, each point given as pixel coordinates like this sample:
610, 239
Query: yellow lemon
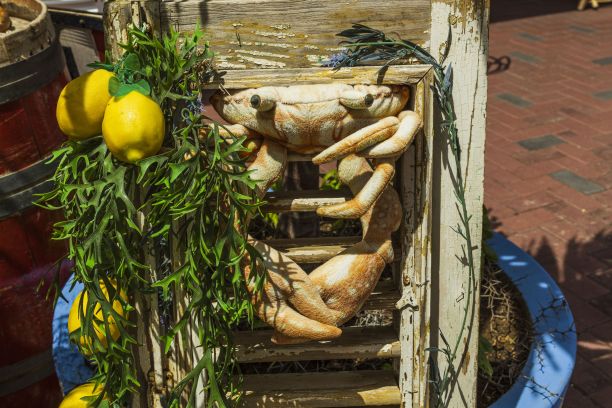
73, 398
81, 105
74, 319
133, 127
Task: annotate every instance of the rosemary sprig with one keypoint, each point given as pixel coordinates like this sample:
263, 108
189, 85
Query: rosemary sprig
366, 45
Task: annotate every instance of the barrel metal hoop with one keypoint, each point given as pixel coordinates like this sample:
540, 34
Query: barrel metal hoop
20, 180
24, 77
16, 377
23, 200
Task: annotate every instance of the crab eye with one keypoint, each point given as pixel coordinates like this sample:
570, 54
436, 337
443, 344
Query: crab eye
261, 104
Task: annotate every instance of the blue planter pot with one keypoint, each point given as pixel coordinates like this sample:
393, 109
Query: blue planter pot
71, 367
546, 375
542, 383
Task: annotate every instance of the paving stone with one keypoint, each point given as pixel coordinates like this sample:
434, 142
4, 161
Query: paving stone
603, 61
582, 29
576, 182
530, 37
585, 314
542, 142
585, 287
603, 396
587, 377
575, 398
603, 303
514, 100
525, 57
605, 95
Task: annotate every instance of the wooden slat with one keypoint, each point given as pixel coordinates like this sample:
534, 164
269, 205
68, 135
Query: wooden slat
289, 33
305, 200
319, 249
332, 389
299, 157
355, 342
255, 78
384, 297
312, 250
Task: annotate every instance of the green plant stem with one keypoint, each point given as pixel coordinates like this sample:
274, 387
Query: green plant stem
361, 49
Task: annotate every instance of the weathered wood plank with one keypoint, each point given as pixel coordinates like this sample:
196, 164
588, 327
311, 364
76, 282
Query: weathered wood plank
335, 389
453, 290
254, 78
290, 33
319, 249
312, 250
384, 297
304, 200
355, 342
415, 276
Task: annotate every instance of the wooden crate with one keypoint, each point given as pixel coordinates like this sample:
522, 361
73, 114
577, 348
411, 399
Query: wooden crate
283, 42
371, 388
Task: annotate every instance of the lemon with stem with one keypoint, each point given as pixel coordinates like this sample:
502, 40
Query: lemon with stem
133, 127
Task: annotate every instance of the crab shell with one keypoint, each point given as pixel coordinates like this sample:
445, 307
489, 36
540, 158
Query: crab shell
309, 118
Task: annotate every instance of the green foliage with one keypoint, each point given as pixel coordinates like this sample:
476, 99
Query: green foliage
331, 180
366, 45
121, 220
484, 348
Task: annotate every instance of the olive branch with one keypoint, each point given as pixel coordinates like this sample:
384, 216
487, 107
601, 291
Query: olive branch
366, 45
121, 220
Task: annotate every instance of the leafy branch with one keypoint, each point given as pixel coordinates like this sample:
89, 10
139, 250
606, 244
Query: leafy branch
366, 45
195, 196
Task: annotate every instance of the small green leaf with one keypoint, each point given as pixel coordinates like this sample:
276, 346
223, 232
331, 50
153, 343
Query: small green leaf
143, 87
113, 86
102, 65
131, 62
124, 89
176, 169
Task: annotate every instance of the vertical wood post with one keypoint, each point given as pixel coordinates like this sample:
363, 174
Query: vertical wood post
415, 279
468, 23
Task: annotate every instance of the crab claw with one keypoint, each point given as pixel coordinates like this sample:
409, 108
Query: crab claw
362, 139
367, 195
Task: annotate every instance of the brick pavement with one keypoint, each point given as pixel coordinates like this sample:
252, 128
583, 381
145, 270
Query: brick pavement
548, 176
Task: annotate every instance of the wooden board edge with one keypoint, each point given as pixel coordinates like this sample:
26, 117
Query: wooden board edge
366, 75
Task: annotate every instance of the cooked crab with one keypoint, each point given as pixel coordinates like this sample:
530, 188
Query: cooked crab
355, 125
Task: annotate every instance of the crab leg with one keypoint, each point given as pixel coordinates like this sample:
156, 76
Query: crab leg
364, 198
288, 287
389, 137
362, 139
268, 165
410, 124
346, 280
287, 284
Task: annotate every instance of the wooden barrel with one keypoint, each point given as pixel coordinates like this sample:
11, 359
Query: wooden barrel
32, 75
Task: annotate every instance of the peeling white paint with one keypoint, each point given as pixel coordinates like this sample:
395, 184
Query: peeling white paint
261, 54
274, 34
263, 44
281, 26
264, 62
